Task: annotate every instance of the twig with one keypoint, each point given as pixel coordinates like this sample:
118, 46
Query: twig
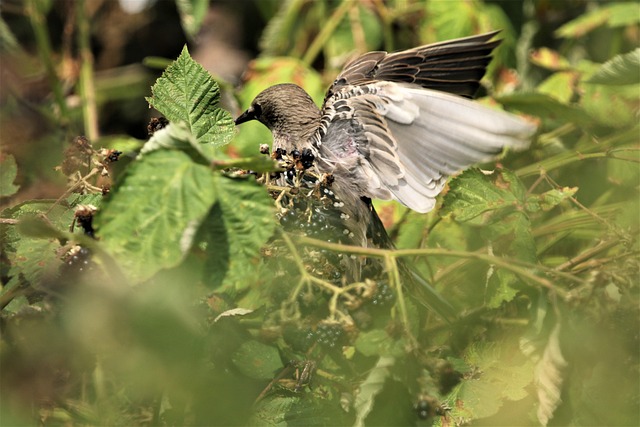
41, 33
327, 30
521, 268
86, 84
580, 258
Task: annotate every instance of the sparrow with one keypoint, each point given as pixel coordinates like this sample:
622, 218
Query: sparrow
393, 126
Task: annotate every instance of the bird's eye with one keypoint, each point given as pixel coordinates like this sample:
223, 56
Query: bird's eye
257, 110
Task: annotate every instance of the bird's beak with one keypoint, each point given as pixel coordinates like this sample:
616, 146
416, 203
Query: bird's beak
246, 116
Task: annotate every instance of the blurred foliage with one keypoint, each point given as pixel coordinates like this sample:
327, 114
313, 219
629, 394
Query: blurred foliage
173, 297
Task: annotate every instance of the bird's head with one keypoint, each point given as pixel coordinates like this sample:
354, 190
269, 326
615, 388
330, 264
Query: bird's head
287, 110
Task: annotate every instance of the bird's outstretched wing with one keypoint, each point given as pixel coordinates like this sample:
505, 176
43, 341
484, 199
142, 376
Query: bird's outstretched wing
396, 126
401, 142
453, 66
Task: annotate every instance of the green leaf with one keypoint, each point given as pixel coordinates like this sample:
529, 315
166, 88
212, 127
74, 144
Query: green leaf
502, 374
612, 15
550, 375
499, 289
149, 221
176, 136
550, 199
187, 93
620, 70
192, 13
59, 216
8, 173
32, 246
274, 411
560, 86
36, 226
371, 387
235, 229
544, 106
549, 59
377, 343
256, 360
615, 106
473, 194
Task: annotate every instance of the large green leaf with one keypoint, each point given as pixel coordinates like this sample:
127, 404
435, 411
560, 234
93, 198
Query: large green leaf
32, 246
187, 93
500, 373
473, 194
176, 136
150, 219
235, 229
370, 388
620, 70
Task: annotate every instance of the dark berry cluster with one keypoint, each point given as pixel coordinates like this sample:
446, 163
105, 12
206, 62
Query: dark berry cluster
303, 160
112, 156
84, 218
78, 259
328, 334
428, 407
447, 378
318, 214
155, 124
383, 296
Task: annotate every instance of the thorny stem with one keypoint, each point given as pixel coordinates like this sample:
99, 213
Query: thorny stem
307, 279
82, 180
521, 268
580, 258
597, 217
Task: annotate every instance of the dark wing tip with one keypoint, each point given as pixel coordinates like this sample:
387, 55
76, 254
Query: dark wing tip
454, 66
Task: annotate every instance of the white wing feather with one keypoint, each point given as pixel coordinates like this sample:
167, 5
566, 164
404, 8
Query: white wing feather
409, 139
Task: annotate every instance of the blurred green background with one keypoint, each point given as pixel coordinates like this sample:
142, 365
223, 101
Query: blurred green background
90, 349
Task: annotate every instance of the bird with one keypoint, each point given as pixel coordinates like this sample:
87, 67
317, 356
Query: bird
393, 126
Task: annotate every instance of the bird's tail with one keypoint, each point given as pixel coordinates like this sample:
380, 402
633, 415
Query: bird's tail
420, 288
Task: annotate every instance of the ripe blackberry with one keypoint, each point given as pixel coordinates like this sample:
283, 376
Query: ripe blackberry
384, 295
428, 407
329, 334
77, 260
307, 158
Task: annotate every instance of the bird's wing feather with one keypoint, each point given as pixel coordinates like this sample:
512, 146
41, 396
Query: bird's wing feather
401, 142
453, 66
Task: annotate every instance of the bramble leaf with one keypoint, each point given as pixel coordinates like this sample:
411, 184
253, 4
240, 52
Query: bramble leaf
187, 93
149, 221
620, 70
